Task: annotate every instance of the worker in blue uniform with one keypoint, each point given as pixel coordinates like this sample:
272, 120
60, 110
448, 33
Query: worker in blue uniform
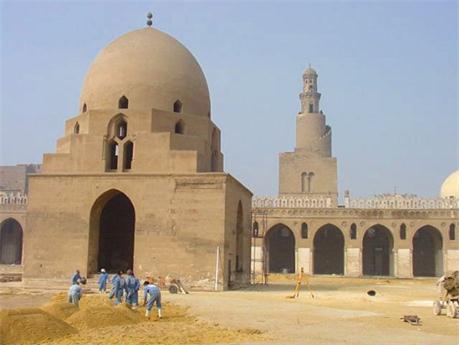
152, 295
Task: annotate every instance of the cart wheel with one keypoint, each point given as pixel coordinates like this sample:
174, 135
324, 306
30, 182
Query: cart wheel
451, 310
437, 307
173, 289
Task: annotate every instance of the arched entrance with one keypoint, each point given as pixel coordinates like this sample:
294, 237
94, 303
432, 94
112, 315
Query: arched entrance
377, 257
112, 233
280, 246
427, 252
329, 250
10, 242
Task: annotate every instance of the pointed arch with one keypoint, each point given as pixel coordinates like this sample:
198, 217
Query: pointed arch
353, 231
280, 249
328, 250
11, 236
180, 127
121, 129
85, 108
112, 155
76, 128
177, 106
427, 252
112, 232
403, 231
123, 102
377, 251
128, 153
117, 126
304, 231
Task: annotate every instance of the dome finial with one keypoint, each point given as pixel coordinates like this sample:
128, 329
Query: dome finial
149, 21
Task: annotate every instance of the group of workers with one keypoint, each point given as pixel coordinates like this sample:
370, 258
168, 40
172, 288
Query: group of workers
122, 287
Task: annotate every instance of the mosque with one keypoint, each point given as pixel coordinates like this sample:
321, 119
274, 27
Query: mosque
137, 181
304, 226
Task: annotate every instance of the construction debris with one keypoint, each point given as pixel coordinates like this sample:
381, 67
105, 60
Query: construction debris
413, 320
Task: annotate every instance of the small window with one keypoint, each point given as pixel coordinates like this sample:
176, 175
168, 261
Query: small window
76, 129
180, 127
113, 149
121, 129
403, 231
123, 103
177, 106
85, 108
304, 230
128, 155
353, 231
255, 229
452, 232
311, 108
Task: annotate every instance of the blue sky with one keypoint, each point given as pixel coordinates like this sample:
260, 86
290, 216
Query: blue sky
388, 74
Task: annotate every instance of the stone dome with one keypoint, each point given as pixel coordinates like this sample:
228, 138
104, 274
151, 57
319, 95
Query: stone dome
450, 186
310, 71
151, 69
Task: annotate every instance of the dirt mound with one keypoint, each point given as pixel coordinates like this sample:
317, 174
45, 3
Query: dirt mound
31, 326
98, 312
98, 322
59, 307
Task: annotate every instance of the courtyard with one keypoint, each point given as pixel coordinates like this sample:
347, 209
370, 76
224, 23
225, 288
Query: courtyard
334, 310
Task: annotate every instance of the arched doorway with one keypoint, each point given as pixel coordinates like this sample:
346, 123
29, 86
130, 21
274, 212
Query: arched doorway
280, 246
10, 242
427, 252
329, 250
112, 233
377, 257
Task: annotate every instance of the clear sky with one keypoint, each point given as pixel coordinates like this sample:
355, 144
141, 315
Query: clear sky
388, 74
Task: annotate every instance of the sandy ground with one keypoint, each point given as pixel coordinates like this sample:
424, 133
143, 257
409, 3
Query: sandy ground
341, 312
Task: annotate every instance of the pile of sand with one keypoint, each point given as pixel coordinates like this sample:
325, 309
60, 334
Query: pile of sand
100, 312
31, 326
59, 307
98, 321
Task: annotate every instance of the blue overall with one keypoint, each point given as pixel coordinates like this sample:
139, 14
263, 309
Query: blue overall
75, 278
75, 293
103, 278
153, 294
136, 289
132, 290
117, 288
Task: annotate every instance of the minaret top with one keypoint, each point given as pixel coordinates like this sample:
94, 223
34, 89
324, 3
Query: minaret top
310, 71
309, 96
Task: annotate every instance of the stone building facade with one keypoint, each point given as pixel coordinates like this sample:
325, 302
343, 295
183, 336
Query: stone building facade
137, 180
304, 227
13, 205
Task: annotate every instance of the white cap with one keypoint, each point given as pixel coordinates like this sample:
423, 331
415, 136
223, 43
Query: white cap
102, 270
